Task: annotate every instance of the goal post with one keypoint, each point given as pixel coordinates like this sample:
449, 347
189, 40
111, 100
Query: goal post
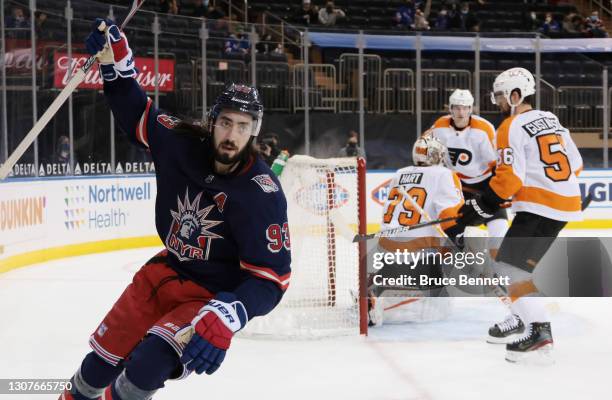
326, 207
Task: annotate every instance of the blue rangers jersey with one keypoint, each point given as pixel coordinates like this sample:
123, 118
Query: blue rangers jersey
224, 232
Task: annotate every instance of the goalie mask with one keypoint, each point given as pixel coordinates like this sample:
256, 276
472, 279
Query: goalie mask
240, 98
428, 151
509, 81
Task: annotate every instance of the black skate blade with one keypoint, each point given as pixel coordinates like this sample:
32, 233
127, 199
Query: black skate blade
540, 357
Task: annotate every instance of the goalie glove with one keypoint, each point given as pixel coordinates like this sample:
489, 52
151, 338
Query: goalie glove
214, 327
111, 47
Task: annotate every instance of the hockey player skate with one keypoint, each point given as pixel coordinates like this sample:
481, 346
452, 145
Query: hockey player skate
506, 331
535, 346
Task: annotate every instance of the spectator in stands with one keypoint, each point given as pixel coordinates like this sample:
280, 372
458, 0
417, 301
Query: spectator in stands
307, 14
329, 15
404, 16
595, 27
352, 148
420, 21
573, 23
465, 20
218, 19
267, 45
442, 21
550, 25
237, 43
17, 19
200, 9
41, 19
62, 152
169, 6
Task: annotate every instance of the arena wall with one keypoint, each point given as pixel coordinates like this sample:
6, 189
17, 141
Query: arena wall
51, 218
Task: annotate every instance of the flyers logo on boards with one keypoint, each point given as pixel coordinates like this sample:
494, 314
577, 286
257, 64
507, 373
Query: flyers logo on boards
317, 197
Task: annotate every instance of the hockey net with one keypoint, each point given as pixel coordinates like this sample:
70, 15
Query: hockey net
326, 208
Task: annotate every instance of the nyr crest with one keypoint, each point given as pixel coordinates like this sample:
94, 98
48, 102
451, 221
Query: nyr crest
189, 237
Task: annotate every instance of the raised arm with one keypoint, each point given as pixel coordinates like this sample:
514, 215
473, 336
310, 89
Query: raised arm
128, 102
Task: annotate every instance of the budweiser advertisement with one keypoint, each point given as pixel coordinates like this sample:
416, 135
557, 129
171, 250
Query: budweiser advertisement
93, 80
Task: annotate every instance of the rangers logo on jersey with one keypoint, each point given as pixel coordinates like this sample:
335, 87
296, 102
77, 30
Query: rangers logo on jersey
168, 121
461, 156
266, 183
189, 237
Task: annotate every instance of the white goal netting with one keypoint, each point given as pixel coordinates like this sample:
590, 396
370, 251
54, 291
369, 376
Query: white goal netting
322, 298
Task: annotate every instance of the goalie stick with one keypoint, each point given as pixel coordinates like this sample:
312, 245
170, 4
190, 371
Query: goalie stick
74, 82
395, 231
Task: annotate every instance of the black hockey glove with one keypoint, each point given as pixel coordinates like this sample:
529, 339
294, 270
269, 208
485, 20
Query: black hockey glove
479, 208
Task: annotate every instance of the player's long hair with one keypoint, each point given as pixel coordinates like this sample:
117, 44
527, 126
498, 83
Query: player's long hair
197, 129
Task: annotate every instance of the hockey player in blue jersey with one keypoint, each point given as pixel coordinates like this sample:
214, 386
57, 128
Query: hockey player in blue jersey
222, 217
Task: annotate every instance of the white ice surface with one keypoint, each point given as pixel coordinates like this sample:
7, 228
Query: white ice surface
49, 310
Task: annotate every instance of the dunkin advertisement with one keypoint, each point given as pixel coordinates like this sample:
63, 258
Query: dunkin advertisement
146, 72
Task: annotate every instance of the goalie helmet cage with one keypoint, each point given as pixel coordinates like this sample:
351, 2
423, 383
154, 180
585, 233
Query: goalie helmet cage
326, 206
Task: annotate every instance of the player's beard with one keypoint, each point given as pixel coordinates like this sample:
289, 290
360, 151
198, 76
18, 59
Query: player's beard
225, 158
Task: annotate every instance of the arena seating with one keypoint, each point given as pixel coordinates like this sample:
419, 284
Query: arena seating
179, 40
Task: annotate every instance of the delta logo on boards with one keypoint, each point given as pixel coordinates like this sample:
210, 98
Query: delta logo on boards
22, 212
316, 198
100, 206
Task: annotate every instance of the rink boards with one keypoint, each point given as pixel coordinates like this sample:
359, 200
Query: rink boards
50, 218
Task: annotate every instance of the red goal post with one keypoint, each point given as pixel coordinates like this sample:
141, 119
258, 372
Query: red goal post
326, 206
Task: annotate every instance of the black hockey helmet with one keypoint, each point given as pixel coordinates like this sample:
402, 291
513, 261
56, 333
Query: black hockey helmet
240, 98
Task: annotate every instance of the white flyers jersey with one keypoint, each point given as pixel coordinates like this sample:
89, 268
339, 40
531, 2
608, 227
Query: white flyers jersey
471, 151
537, 166
436, 189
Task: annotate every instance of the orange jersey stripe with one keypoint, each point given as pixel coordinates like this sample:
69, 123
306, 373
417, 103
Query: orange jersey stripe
548, 199
520, 289
392, 245
443, 122
505, 183
452, 211
483, 126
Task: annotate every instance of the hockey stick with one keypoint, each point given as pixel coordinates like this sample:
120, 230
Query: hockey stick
395, 231
74, 82
420, 210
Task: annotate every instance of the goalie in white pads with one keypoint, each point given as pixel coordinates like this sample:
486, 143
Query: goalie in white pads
537, 167
437, 190
469, 140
